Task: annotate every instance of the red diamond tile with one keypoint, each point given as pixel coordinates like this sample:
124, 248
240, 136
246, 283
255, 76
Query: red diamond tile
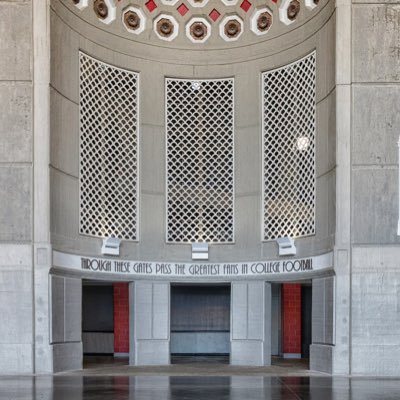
274, 1
151, 5
214, 14
245, 5
182, 9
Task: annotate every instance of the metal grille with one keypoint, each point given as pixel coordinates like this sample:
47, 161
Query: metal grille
289, 150
199, 121
108, 105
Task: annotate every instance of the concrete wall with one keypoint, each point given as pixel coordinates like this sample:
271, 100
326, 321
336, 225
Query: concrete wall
368, 246
16, 331
16, 138
66, 323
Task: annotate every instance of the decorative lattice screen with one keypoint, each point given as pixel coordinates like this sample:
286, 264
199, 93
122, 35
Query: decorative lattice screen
199, 119
108, 106
289, 149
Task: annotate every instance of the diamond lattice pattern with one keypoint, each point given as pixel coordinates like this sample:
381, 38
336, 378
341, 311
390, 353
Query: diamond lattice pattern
289, 150
200, 160
108, 150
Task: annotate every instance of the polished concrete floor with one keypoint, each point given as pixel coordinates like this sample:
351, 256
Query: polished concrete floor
78, 387
193, 366
199, 378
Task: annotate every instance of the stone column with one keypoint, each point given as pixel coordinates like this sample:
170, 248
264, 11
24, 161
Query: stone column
16, 148
150, 323
41, 183
66, 323
251, 323
322, 348
342, 261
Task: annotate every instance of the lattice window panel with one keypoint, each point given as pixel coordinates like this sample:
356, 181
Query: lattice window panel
200, 174
289, 149
108, 107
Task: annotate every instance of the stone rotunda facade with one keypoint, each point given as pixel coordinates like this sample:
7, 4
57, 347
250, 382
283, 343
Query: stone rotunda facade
200, 177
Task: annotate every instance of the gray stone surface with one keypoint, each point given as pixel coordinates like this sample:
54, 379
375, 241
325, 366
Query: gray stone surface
67, 356
66, 309
251, 323
325, 213
325, 46
321, 358
64, 147
247, 352
15, 122
376, 37
16, 43
326, 135
375, 312
57, 309
247, 153
16, 358
64, 201
65, 63
16, 329
150, 336
322, 311
375, 205
42, 309
376, 124
16, 209
73, 310
152, 352
152, 158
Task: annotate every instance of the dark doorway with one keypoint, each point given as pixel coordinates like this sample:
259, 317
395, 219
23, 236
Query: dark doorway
97, 318
200, 321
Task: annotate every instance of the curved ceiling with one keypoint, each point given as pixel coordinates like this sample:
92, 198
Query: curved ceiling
202, 24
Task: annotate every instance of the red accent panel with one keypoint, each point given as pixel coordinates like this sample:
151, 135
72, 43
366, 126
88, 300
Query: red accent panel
121, 317
151, 5
245, 5
182, 9
291, 318
214, 14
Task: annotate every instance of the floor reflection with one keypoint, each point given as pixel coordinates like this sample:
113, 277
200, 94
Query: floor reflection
67, 387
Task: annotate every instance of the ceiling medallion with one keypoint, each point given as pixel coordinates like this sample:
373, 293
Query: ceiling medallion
100, 8
133, 19
231, 28
166, 27
198, 30
105, 10
261, 21
293, 9
288, 11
